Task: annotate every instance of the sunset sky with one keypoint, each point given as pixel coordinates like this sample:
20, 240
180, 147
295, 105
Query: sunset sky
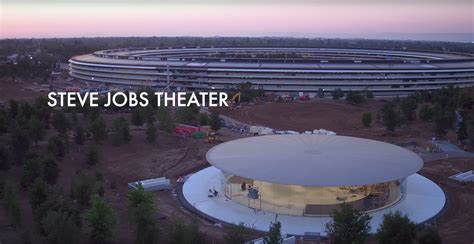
301, 18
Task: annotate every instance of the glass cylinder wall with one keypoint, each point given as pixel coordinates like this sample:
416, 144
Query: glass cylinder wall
310, 200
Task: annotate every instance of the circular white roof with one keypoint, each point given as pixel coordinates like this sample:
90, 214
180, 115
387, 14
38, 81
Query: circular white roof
314, 160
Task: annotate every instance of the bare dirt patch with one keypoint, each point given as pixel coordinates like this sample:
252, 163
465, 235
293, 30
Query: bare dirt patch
338, 116
456, 224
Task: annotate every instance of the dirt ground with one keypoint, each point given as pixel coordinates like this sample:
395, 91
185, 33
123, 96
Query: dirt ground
456, 224
338, 116
172, 157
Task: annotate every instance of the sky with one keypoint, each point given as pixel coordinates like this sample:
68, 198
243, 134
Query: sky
397, 19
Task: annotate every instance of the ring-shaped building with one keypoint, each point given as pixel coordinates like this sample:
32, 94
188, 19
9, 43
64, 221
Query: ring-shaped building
277, 69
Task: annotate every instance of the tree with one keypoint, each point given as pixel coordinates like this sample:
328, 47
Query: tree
462, 131
443, 119
150, 133
98, 129
79, 135
203, 119
348, 226
60, 205
25, 111
43, 111
60, 121
19, 143
60, 227
429, 236
36, 129
215, 122
91, 113
247, 93
274, 234
32, 170
185, 115
396, 228
165, 119
11, 205
120, 131
321, 93
179, 234
4, 121
4, 158
426, 113
38, 194
102, 219
369, 94
50, 170
141, 210
57, 147
187, 234
355, 97
408, 107
2, 187
390, 117
73, 117
337, 93
235, 234
136, 117
92, 157
366, 119
82, 188
148, 114
13, 108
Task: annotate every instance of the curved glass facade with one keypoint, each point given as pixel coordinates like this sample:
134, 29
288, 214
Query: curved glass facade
308, 200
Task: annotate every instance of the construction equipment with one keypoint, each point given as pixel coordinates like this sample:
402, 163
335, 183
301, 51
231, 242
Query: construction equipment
235, 99
259, 100
213, 138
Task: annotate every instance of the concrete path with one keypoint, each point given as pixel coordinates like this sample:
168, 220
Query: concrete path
448, 149
422, 201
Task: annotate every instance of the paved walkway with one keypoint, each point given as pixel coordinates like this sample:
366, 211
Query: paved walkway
448, 149
423, 200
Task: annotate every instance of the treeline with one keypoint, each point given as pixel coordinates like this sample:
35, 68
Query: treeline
39, 68
38, 139
447, 108
349, 226
64, 48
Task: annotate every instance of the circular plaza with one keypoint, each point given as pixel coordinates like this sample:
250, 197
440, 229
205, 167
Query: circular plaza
302, 179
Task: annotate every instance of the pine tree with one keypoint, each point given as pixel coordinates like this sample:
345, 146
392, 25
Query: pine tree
274, 234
